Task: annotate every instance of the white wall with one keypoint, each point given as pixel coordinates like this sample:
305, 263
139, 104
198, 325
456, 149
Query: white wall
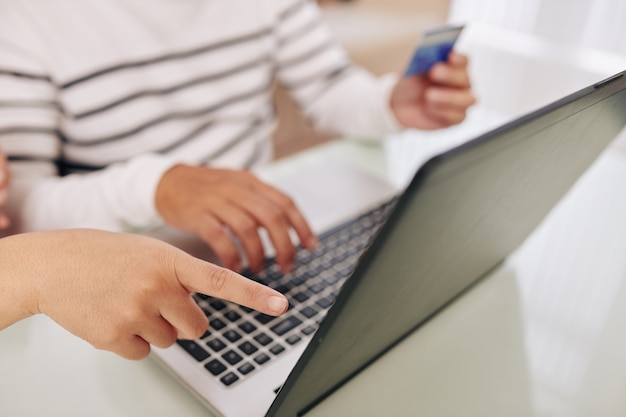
597, 24
526, 53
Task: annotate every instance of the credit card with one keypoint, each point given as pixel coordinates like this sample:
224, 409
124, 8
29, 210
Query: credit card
434, 47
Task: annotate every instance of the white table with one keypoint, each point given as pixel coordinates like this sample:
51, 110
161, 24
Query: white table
543, 336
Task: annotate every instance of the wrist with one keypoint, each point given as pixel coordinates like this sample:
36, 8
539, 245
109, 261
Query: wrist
19, 295
165, 192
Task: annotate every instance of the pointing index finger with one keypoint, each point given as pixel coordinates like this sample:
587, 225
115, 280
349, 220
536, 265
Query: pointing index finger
199, 276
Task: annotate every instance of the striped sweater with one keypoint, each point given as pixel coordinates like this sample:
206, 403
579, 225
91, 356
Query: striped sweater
98, 98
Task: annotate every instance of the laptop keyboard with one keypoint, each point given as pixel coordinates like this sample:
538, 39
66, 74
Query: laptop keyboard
240, 340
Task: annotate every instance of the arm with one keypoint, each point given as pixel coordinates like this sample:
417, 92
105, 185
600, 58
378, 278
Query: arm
4, 190
345, 99
120, 197
338, 96
118, 292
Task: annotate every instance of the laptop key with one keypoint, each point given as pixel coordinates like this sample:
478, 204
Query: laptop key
274, 273
344, 272
233, 316
308, 312
194, 349
298, 278
218, 305
217, 324
263, 339
246, 368
324, 302
331, 279
216, 345
301, 297
232, 336
312, 273
232, 357
248, 348
229, 379
215, 367
309, 330
316, 288
285, 325
247, 327
277, 349
283, 289
261, 359
263, 318
292, 340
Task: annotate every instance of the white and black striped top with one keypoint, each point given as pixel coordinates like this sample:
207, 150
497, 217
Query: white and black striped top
115, 92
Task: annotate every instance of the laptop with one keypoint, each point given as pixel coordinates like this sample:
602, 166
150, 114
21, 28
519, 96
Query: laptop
383, 273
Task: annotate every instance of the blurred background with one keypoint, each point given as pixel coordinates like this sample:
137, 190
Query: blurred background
524, 53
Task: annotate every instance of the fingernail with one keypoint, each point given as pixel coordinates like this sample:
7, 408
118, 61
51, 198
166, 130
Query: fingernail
312, 243
277, 304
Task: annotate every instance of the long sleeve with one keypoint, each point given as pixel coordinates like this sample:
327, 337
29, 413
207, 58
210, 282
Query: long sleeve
118, 198
338, 96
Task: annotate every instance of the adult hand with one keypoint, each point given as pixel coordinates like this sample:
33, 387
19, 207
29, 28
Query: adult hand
213, 202
4, 190
119, 292
437, 99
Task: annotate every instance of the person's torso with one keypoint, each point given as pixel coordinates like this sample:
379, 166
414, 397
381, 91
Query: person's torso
189, 78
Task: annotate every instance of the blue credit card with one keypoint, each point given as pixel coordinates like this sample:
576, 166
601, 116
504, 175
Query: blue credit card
434, 47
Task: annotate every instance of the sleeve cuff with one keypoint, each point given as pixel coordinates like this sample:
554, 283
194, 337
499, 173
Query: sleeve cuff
387, 84
139, 181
